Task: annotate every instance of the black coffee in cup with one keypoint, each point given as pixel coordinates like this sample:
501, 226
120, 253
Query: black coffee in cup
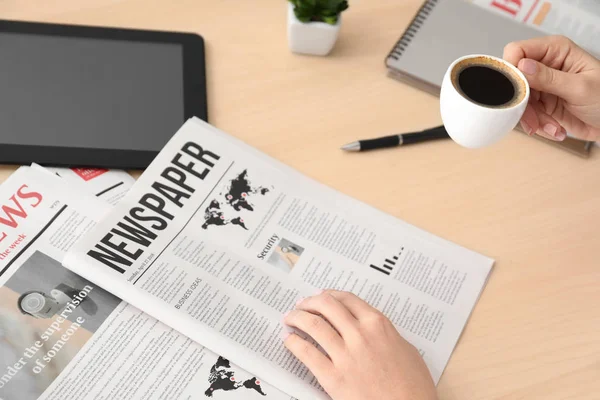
488, 82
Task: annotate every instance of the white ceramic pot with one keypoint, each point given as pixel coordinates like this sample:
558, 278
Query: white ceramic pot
316, 38
475, 125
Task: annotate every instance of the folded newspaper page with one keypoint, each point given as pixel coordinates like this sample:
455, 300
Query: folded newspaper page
109, 185
576, 19
218, 241
63, 337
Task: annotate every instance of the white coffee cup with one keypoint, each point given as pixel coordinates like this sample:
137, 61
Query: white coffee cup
472, 123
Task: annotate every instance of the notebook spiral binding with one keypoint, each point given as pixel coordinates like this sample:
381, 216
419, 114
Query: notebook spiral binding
412, 29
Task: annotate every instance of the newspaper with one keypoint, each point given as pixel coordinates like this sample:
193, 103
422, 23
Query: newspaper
108, 185
576, 19
218, 241
64, 337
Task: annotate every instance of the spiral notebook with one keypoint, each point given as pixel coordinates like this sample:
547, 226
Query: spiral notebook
442, 31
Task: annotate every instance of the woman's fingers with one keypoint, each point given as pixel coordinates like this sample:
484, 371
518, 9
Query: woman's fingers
550, 104
331, 309
376, 363
568, 79
318, 328
548, 126
553, 51
536, 121
530, 121
550, 130
550, 80
578, 128
359, 308
309, 355
330, 318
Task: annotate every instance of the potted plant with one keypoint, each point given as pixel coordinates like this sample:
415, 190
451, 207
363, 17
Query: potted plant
313, 25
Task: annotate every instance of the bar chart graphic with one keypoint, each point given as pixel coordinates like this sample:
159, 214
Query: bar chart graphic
388, 264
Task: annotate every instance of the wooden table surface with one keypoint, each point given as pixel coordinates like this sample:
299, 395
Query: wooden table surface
535, 333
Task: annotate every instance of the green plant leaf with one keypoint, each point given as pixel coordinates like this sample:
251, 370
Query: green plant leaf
319, 10
330, 20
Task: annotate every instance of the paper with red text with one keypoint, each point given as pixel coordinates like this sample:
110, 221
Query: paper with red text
576, 19
109, 185
64, 337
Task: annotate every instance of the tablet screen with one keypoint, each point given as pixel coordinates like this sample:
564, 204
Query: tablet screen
89, 93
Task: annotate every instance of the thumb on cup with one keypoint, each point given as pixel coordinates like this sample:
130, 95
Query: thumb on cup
546, 79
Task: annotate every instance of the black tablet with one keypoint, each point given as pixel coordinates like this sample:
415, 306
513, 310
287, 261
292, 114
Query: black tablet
97, 97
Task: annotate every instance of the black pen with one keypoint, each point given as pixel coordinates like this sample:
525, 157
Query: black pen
439, 132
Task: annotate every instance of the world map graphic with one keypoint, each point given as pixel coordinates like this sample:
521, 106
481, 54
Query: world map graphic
214, 216
222, 377
237, 195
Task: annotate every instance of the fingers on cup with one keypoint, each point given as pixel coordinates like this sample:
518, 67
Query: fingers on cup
547, 49
548, 103
536, 121
513, 52
530, 121
548, 127
550, 80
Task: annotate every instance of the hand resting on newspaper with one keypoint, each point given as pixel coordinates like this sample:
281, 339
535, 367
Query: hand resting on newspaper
565, 87
368, 359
